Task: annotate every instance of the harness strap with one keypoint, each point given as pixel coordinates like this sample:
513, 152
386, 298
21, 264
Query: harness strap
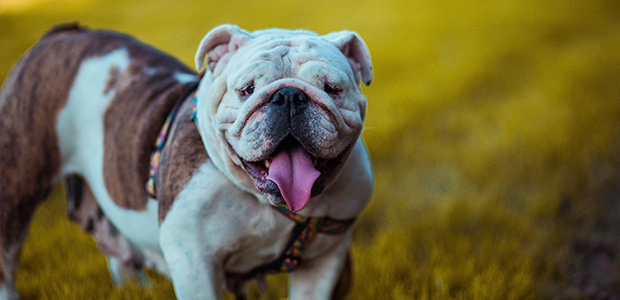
324, 224
161, 140
303, 232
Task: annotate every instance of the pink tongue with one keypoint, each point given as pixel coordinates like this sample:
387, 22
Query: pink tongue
293, 172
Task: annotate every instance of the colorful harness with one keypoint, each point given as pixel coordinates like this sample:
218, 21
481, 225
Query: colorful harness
304, 231
161, 140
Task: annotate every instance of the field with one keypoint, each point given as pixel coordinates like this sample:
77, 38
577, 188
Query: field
493, 128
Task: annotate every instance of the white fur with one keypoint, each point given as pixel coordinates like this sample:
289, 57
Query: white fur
212, 220
122, 273
7, 288
184, 77
115, 267
317, 280
80, 130
7, 291
153, 259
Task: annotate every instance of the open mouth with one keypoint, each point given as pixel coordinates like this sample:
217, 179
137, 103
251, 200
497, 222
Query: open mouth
290, 174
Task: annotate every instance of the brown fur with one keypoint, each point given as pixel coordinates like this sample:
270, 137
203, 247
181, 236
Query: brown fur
183, 154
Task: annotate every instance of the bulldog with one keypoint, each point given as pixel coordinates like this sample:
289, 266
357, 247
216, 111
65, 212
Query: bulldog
252, 166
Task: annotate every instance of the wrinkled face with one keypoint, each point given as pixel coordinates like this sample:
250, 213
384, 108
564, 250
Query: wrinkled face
287, 109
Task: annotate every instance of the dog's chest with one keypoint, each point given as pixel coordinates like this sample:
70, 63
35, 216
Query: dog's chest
212, 215
260, 246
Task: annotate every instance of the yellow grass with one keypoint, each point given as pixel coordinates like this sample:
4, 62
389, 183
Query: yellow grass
493, 128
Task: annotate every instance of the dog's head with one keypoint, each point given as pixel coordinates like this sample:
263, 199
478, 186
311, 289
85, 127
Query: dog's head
279, 111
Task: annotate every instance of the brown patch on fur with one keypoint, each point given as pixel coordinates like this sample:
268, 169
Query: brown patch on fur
181, 158
112, 79
144, 94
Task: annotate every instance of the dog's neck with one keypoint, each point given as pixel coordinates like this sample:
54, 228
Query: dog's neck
163, 136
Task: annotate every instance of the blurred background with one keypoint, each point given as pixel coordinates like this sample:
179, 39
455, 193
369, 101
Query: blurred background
493, 128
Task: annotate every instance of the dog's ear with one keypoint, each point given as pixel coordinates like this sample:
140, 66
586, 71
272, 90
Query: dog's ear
354, 48
219, 41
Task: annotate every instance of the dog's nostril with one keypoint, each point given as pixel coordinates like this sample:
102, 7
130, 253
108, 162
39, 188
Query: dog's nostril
278, 99
301, 99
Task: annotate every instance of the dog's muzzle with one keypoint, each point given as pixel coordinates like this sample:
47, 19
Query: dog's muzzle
291, 173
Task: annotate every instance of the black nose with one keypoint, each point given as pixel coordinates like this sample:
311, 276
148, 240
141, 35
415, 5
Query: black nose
290, 99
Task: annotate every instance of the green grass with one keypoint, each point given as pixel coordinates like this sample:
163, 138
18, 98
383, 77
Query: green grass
493, 127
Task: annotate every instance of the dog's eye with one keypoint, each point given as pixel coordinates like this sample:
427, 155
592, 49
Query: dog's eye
332, 89
246, 91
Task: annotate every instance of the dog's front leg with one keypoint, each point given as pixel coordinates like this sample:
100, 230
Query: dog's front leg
317, 278
195, 273
192, 236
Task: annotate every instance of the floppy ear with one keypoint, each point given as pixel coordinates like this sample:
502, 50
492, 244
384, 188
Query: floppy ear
219, 41
354, 48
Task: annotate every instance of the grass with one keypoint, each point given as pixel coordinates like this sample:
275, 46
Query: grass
493, 128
